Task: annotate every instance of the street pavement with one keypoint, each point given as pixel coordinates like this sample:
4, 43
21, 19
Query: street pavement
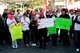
49, 49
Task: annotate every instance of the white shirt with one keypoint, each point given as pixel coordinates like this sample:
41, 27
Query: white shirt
25, 23
53, 18
10, 22
58, 14
77, 26
37, 16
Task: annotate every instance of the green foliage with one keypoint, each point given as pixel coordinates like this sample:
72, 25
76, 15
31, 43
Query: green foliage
36, 3
33, 4
13, 7
17, 6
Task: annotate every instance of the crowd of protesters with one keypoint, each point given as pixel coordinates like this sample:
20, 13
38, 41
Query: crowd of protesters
30, 30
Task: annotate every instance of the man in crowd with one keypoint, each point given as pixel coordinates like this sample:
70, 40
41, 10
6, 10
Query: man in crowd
71, 14
1, 31
64, 33
18, 16
6, 31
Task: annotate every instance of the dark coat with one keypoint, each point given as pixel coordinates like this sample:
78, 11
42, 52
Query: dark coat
33, 25
5, 15
65, 16
1, 23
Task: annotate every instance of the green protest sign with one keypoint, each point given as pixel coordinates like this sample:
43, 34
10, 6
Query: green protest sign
19, 31
52, 30
13, 33
16, 32
62, 23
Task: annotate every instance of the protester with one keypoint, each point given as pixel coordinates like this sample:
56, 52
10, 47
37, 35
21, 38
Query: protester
34, 29
30, 15
14, 12
6, 31
42, 34
58, 12
10, 21
48, 14
1, 31
37, 14
71, 14
18, 16
73, 23
25, 28
64, 33
54, 36
28, 11
30, 29
5, 13
77, 30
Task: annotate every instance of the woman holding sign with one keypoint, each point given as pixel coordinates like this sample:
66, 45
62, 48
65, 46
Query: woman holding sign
42, 33
55, 35
10, 21
64, 33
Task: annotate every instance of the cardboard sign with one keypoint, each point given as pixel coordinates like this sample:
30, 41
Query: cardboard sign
52, 30
46, 22
16, 32
62, 23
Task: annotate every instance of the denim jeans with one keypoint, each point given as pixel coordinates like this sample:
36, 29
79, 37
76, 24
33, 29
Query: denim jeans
77, 38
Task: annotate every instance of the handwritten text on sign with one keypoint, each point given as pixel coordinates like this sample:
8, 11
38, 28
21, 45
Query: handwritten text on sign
63, 23
46, 22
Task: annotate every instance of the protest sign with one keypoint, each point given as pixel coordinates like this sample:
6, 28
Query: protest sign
12, 31
52, 30
19, 31
62, 23
46, 22
16, 32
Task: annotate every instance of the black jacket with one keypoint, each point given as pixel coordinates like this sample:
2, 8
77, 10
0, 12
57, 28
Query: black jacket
49, 16
65, 16
33, 25
1, 23
5, 15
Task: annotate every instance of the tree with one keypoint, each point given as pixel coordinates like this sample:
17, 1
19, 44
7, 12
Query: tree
36, 3
13, 7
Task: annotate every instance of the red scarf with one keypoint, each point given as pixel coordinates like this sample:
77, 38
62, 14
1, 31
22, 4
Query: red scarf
10, 17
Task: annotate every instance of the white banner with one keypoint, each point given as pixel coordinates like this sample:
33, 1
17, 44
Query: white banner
46, 22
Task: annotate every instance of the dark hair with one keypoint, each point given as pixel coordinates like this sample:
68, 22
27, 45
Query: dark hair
53, 11
63, 9
13, 10
18, 10
25, 14
36, 10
